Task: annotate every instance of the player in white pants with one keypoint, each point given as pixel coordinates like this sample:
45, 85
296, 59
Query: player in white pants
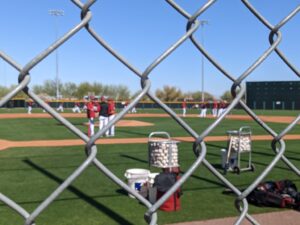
60, 108
183, 105
111, 116
133, 110
103, 114
29, 105
215, 108
76, 108
203, 110
91, 114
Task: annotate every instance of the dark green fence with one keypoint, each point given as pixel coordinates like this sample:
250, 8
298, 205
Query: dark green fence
273, 95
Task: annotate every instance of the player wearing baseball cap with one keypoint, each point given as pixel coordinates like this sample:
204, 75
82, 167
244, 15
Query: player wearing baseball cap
92, 108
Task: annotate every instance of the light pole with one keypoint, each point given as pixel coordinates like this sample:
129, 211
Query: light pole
56, 13
202, 23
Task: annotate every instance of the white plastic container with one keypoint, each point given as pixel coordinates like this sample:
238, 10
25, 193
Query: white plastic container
136, 178
152, 191
232, 161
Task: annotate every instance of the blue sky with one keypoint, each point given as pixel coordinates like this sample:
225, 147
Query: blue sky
141, 30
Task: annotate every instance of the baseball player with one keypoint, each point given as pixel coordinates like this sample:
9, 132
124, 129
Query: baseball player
60, 107
84, 107
111, 115
215, 108
92, 108
76, 108
29, 106
183, 105
203, 110
103, 114
221, 108
133, 110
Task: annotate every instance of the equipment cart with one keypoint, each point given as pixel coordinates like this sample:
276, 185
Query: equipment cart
239, 142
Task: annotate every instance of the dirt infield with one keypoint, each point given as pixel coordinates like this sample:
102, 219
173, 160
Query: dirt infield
5, 144
287, 217
273, 119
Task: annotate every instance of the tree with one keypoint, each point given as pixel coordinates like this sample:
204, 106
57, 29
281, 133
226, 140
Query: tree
6, 90
197, 96
97, 88
69, 89
83, 90
38, 89
72, 90
123, 93
144, 98
227, 96
50, 87
3, 91
169, 93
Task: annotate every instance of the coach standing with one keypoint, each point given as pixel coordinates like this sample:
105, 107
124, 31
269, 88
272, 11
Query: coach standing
103, 114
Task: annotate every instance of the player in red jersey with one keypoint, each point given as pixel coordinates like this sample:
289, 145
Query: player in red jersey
111, 115
215, 108
92, 108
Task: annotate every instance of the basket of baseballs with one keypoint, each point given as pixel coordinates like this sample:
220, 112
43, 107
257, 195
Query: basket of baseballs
163, 152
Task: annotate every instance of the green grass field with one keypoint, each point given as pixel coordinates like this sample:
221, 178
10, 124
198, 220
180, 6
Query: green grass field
29, 175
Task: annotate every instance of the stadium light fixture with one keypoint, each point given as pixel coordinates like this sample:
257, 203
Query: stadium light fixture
56, 13
202, 23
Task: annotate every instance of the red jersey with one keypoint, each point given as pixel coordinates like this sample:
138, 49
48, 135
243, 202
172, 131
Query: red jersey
184, 105
111, 107
215, 106
91, 110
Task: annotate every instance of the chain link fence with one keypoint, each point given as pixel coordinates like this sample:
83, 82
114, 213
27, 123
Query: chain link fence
199, 146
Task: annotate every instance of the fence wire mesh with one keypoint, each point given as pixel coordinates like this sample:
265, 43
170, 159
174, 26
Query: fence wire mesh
199, 147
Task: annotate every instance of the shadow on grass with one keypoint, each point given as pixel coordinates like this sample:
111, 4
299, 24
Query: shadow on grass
140, 134
215, 146
134, 158
113, 215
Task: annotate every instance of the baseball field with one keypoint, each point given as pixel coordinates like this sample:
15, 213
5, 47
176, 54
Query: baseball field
38, 154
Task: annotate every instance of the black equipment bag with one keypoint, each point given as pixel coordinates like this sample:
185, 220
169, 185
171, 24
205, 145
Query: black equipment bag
164, 181
281, 194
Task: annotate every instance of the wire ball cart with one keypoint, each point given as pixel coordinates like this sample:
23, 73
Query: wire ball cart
163, 152
239, 142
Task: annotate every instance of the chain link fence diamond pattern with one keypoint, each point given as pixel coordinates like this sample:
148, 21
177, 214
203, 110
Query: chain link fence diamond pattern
199, 146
